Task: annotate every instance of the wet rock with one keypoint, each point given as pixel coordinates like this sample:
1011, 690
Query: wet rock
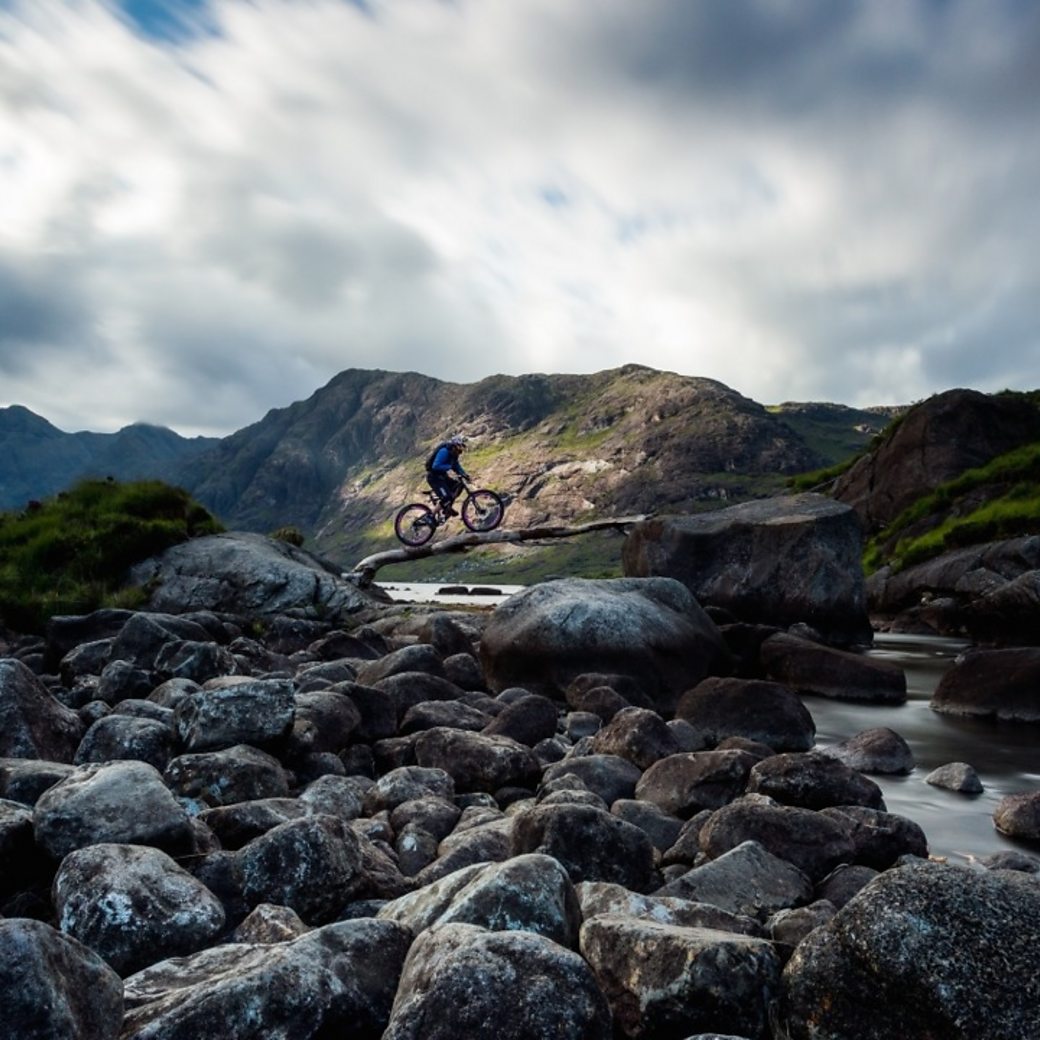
767, 712
311, 865
908, 936
33, 723
880, 750
530, 987
650, 629
747, 879
590, 844
1000, 684
255, 712
121, 802
1018, 816
52, 987
1009, 859
812, 781
530, 893
133, 905
823, 671
637, 734
686, 783
661, 980
334, 981
122, 737
809, 840
955, 776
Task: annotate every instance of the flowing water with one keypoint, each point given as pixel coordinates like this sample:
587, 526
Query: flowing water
1005, 755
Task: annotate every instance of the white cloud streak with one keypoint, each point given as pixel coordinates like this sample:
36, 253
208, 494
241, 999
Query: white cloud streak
805, 200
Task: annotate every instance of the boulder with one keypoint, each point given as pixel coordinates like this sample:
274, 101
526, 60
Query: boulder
531, 893
249, 574
419, 657
781, 561
813, 781
25, 779
529, 987
311, 865
63, 632
133, 905
997, 684
590, 844
810, 840
322, 721
120, 680
405, 784
52, 987
822, 671
1018, 816
661, 828
194, 659
746, 879
21, 862
237, 774
141, 639
121, 802
121, 737
880, 750
255, 712
527, 720
636, 734
476, 762
684, 784
608, 776
268, 923
238, 824
767, 712
937, 951
338, 980
648, 629
956, 776
451, 714
879, 839
662, 980
33, 723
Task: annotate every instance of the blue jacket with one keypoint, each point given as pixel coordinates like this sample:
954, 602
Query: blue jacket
444, 462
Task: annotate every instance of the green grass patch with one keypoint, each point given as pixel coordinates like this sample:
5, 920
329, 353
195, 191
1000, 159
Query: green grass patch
71, 553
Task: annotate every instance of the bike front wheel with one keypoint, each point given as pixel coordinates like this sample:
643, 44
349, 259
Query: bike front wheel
483, 510
415, 524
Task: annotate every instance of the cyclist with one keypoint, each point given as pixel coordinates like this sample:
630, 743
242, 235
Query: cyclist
443, 461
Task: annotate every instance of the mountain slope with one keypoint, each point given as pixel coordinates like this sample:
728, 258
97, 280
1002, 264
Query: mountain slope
562, 447
38, 460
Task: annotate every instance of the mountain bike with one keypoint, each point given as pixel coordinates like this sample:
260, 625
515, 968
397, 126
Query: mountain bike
482, 510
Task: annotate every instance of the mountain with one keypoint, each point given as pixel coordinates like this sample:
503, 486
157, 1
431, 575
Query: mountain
38, 460
561, 447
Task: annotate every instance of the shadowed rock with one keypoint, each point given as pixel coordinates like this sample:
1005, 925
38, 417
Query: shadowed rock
33, 723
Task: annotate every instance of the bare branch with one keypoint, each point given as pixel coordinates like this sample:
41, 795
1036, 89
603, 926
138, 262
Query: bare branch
364, 571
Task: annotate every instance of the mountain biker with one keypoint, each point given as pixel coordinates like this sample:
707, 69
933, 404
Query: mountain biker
443, 461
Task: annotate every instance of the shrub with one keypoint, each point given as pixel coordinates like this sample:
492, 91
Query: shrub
71, 554
288, 533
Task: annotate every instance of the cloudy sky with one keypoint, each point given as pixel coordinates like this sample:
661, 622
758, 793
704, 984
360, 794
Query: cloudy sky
210, 207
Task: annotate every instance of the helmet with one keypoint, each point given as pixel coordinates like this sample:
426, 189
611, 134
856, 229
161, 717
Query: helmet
458, 441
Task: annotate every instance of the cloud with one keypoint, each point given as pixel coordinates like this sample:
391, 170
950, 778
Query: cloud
215, 212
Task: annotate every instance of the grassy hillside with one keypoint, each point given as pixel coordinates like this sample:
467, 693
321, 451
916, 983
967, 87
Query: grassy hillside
71, 553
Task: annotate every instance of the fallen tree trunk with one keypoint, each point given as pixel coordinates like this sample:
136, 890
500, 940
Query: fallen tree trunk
364, 571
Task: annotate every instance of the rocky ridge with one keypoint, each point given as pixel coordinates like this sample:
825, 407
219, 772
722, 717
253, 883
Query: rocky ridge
271, 825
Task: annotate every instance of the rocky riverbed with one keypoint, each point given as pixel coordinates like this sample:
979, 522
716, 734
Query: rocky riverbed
592, 812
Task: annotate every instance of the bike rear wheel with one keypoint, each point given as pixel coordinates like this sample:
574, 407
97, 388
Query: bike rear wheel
415, 524
483, 510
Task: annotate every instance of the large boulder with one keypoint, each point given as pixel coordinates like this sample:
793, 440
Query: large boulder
52, 987
996, 684
476, 762
649, 629
257, 712
528, 987
133, 905
937, 951
242, 573
779, 561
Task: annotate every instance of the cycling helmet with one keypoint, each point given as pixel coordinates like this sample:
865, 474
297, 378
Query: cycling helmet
458, 441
